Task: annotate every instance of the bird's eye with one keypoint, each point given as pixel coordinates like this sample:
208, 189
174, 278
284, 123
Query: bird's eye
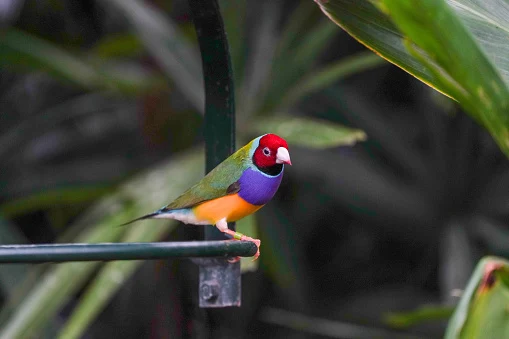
266, 151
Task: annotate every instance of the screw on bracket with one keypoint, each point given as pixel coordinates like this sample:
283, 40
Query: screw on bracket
209, 291
218, 288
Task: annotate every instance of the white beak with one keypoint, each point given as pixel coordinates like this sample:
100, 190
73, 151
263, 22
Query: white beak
282, 156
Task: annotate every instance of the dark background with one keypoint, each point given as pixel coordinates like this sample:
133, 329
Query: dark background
388, 225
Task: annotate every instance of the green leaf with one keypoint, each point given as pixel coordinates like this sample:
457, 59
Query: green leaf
293, 28
260, 61
485, 95
488, 22
121, 45
309, 132
143, 194
111, 277
49, 198
293, 61
22, 48
411, 35
371, 27
57, 286
482, 310
329, 74
422, 314
18, 48
329, 328
166, 44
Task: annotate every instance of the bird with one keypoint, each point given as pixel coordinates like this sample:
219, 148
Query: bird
237, 187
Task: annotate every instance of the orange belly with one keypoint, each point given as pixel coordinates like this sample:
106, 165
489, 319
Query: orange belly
232, 207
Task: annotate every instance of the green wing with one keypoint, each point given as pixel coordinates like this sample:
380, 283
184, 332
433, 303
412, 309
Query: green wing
219, 182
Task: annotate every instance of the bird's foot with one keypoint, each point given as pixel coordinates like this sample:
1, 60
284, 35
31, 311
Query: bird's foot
223, 227
257, 242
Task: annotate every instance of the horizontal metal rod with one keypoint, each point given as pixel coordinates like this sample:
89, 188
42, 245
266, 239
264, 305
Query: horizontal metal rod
16, 254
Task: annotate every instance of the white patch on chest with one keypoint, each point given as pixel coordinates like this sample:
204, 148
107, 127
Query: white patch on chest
186, 216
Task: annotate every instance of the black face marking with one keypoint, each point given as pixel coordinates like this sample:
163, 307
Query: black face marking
271, 170
233, 188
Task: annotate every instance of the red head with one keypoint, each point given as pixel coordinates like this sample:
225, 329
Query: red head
271, 150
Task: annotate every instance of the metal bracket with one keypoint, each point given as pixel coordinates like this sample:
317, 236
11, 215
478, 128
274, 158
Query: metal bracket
219, 282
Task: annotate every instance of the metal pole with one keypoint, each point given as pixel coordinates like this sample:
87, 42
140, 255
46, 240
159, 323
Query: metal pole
16, 254
219, 280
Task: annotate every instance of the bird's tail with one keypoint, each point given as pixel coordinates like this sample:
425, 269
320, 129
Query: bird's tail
147, 216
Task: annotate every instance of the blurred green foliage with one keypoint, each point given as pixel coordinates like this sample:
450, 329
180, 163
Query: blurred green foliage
100, 95
177, 57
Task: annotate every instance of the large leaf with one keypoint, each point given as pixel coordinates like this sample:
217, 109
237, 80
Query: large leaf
451, 48
482, 311
488, 21
370, 26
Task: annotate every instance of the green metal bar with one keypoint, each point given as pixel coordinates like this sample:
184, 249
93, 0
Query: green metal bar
219, 279
16, 254
219, 89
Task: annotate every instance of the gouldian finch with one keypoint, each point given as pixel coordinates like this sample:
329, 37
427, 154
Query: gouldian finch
236, 188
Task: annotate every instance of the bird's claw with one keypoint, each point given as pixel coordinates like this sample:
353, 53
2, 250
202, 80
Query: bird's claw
257, 242
255, 257
257, 254
242, 237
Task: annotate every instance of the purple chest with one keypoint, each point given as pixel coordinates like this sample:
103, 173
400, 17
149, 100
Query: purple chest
257, 188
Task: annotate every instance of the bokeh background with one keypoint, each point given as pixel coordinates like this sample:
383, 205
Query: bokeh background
101, 120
